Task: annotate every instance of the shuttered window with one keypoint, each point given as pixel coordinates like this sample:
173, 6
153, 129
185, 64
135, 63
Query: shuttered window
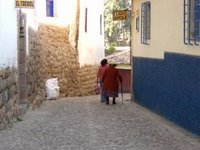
101, 24
49, 8
86, 18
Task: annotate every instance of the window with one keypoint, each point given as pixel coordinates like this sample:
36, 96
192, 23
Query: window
49, 8
145, 22
86, 13
191, 22
100, 24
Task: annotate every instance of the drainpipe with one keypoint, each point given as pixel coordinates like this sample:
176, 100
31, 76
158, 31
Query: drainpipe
131, 49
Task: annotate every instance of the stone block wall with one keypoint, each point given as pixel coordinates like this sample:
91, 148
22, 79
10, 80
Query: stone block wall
36, 72
9, 105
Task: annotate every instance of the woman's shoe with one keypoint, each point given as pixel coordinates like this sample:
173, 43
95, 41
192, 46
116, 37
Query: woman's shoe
114, 102
107, 100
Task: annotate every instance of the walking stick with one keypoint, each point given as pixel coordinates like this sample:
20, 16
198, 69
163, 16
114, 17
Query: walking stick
121, 92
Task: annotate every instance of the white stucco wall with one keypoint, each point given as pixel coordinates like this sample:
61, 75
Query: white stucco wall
8, 33
91, 43
166, 30
63, 12
38, 14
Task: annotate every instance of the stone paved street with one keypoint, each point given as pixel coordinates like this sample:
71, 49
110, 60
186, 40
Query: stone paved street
83, 123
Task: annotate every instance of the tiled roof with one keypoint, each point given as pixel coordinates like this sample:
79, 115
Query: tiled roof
122, 57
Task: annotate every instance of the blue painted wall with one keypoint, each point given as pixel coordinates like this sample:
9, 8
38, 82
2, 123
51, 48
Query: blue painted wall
170, 87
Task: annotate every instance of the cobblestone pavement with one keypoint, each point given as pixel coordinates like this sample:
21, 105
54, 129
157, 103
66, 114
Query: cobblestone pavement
83, 123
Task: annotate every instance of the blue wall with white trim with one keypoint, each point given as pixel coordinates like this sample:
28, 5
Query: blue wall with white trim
170, 87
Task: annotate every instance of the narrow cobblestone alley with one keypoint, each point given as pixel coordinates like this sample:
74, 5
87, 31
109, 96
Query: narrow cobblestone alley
83, 123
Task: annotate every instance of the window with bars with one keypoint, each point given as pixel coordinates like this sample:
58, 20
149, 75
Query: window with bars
192, 22
145, 22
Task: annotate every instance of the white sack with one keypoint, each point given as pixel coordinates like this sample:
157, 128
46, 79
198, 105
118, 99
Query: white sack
52, 88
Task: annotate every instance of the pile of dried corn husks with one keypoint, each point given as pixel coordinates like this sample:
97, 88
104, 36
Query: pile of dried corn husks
52, 56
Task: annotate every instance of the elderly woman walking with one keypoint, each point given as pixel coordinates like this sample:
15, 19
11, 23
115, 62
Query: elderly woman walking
101, 71
111, 79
